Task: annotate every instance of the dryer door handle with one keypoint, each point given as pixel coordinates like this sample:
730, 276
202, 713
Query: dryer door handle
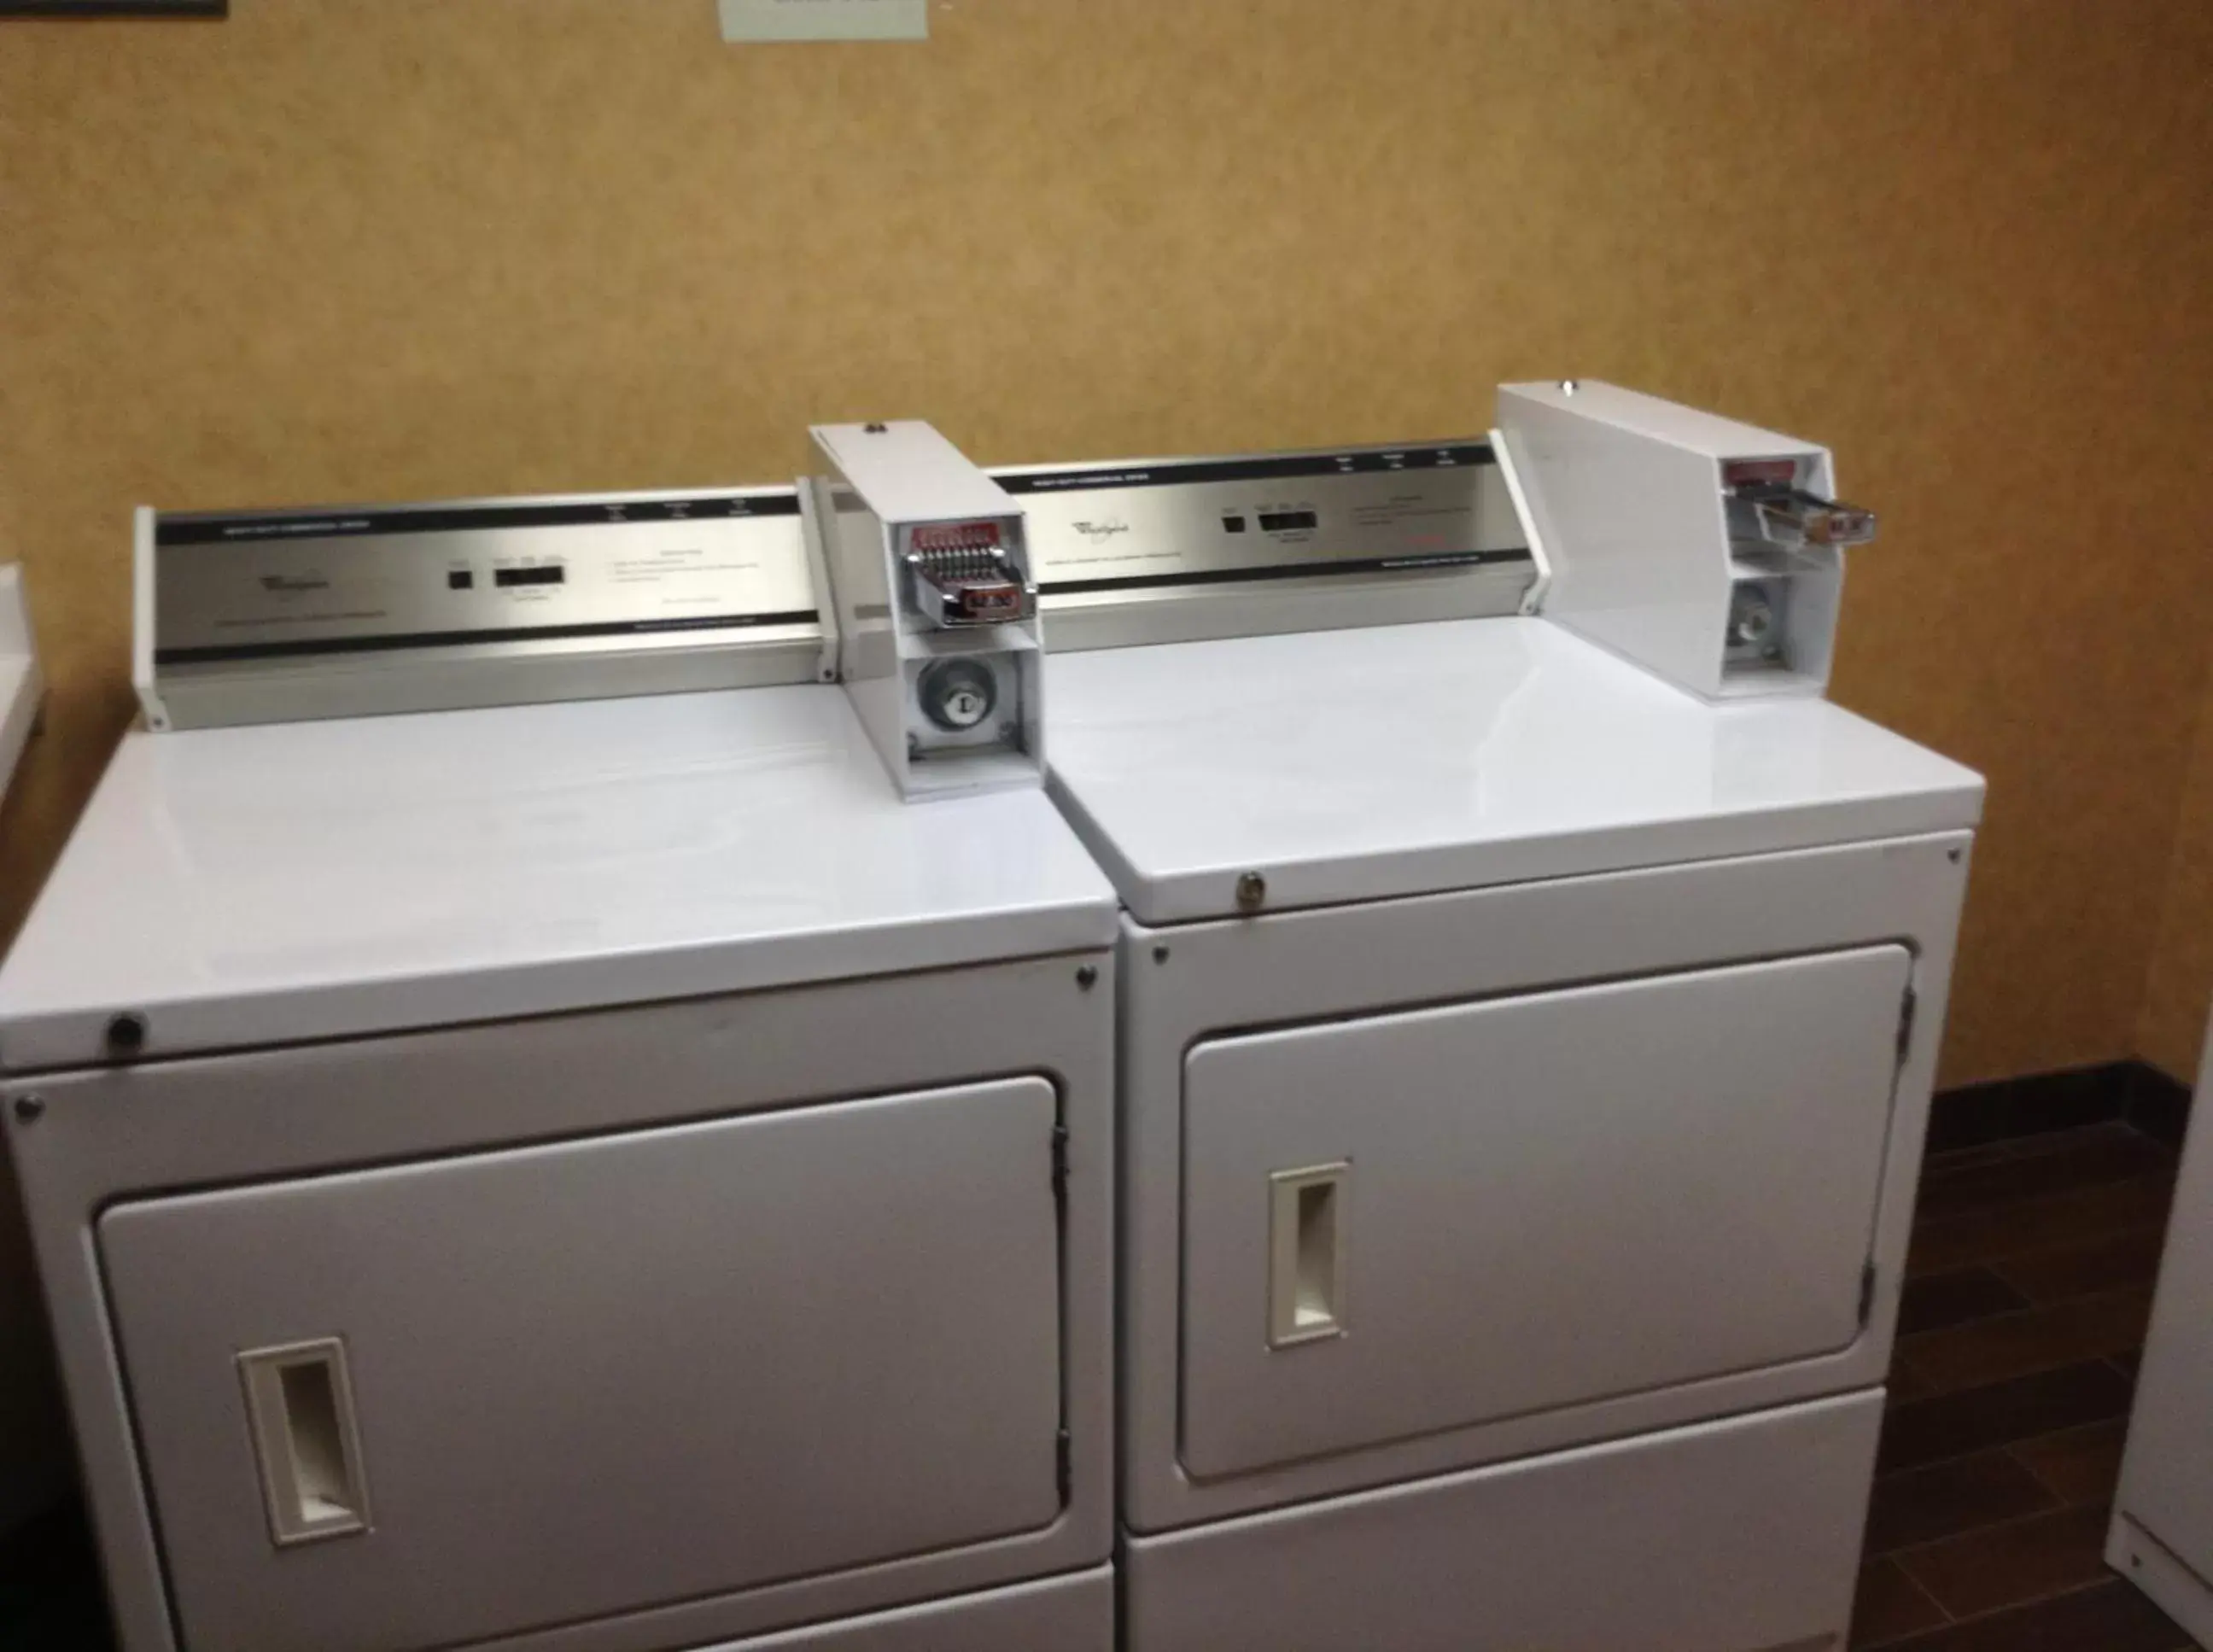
1306, 1253
299, 1403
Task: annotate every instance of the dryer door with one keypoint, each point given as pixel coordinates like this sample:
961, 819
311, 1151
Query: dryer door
1431, 1220
440, 1402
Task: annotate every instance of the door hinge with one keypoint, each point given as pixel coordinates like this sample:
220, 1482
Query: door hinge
1867, 1294
1063, 1466
1907, 1007
1060, 1158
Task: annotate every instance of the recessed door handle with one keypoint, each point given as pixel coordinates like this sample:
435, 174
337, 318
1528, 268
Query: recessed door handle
299, 1404
1306, 1253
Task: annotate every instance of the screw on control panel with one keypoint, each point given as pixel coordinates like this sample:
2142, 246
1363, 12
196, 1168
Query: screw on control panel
1955, 856
874, 429
127, 1034
1088, 977
1252, 892
30, 1107
1161, 954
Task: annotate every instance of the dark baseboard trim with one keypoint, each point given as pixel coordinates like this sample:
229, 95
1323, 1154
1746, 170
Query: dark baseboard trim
2158, 1106
2130, 1092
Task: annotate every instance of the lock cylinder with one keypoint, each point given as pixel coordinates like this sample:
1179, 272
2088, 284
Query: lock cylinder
958, 695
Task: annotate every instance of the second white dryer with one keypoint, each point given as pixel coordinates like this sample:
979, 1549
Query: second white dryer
1523, 1066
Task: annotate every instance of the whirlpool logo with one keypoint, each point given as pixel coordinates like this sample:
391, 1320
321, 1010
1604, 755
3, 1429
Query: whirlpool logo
295, 582
1100, 533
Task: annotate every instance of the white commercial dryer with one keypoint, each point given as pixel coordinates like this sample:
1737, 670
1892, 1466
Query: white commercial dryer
598, 1175
2162, 1530
1530, 994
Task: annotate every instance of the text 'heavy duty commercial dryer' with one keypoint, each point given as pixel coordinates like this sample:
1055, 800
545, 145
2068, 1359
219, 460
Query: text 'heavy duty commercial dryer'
1530, 995
598, 1175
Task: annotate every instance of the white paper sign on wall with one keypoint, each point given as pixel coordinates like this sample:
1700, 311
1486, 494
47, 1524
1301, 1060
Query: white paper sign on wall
826, 20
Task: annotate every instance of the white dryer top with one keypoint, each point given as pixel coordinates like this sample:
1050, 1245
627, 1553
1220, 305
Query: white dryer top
250, 886
1361, 765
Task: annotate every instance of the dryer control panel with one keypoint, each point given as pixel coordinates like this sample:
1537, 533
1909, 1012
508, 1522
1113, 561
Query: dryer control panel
1172, 550
276, 616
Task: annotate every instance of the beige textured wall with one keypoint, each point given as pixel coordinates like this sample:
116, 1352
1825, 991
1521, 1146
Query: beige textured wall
2179, 987
372, 249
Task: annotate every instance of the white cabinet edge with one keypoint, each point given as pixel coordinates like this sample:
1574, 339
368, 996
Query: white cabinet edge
21, 687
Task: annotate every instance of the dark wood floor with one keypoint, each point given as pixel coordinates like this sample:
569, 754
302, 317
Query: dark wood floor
2031, 1275
2031, 1267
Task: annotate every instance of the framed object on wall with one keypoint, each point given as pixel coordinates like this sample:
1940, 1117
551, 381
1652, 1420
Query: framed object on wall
115, 8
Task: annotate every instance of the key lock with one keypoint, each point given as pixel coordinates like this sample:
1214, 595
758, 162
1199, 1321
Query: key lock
959, 694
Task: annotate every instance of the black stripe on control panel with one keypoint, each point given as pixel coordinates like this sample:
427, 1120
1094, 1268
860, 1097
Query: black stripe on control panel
385, 644
448, 519
1178, 473
1284, 570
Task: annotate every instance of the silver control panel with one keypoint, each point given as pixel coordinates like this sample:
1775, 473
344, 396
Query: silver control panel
1154, 550
276, 615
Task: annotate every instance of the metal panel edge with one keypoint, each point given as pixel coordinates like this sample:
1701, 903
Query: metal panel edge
1533, 599
22, 683
143, 677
